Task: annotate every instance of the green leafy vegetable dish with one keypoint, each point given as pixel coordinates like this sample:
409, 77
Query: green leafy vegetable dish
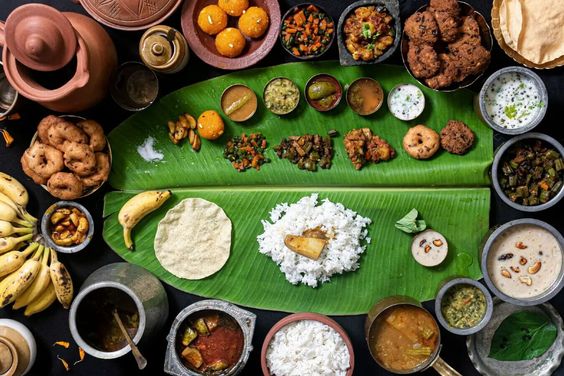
523, 335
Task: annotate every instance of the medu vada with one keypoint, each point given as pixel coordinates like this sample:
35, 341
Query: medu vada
29, 172
79, 158
101, 173
95, 132
43, 159
421, 142
65, 185
44, 125
64, 132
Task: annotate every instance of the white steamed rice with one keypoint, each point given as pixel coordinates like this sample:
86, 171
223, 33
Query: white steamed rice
309, 348
341, 253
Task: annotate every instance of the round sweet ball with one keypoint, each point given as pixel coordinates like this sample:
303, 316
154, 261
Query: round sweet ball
212, 19
210, 125
233, 8
230, 42
254, 22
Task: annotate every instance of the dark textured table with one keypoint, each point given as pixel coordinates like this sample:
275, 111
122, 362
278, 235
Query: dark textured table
52, 325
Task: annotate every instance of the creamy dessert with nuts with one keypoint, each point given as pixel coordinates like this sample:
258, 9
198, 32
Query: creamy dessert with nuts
429, 248
524, 261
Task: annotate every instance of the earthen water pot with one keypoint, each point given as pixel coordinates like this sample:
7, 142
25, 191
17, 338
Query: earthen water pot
41, 44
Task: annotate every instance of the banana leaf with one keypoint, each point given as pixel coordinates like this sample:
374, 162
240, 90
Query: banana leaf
182, 167
386, 268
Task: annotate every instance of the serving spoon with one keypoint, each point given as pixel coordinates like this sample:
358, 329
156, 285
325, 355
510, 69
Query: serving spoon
139, 358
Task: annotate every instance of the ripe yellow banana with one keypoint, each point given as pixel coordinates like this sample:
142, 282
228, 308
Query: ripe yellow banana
38, 286
138, 207
13, 189
14, 260
20, 209
7, 213
16, 283
62, 281
10, 243
42, 302
7, 229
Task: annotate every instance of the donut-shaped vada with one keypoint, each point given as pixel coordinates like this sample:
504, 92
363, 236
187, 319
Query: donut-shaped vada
95, 132
65, 186
43, 128
101, 174
63, 132
421, 142
43, 159
79, 158
29, 172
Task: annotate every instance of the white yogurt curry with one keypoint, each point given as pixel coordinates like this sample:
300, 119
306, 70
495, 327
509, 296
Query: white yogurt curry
406, 102
513, 100
524, 261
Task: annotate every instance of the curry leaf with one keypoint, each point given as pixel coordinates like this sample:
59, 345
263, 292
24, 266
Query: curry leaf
524, 335
410, 223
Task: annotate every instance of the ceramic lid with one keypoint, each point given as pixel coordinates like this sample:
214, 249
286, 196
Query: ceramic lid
156, 49
40, 37
130, 14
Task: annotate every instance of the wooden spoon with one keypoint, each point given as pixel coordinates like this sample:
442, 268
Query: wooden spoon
139, 358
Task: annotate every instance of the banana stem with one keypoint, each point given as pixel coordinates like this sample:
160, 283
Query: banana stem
23, 222
37, 255
53, 255
45, 257
23, 230
30, 249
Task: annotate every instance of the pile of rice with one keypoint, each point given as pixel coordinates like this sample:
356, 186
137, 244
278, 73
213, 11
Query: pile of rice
307, 347
346, 227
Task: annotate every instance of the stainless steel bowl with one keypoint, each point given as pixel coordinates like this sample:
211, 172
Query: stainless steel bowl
246, 320
536, 121
439, 312
46, 231
145, 290
8, 95
499, 155
485, 251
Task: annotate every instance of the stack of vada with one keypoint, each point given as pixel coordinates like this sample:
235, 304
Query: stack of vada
71, 159
445, 47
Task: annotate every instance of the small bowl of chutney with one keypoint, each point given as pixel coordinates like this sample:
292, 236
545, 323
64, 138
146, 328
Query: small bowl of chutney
323, 92
239, 102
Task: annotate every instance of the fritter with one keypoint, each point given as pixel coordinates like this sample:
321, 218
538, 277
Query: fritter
448, 25
363, 146
421, 27
448, 73
448, 6
456, 137
469, 58
423, 60
470, 30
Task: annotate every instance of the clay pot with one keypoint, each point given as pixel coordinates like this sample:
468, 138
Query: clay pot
41, 43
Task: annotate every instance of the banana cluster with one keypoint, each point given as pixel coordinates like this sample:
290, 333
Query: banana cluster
34, 278
16, 224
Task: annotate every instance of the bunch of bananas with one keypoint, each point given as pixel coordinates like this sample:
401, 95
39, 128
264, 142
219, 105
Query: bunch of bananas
34, 278
16, 224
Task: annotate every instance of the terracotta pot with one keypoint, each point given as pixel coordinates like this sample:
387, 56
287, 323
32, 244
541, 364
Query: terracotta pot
40, 41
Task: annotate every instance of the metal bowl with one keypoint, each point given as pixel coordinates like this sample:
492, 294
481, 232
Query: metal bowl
135, 86
8, 95
327, 78
300, 317
540, 115
292, 10
394, 89
487, 43
485, 251
392, 6
46, 231
496, 166
439, 312
264, 92
357, 82
246, 320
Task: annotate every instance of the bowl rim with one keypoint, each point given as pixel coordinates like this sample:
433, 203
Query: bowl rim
355, 82
46, 232
392, 7
279, 78
294, 8
543, 93
499, 154
485, 251
482, 22
10, 108
463, 281
339, 91
301, 316
231, 87
406, 84
268, 40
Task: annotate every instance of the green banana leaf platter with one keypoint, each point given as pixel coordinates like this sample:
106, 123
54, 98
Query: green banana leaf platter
449, 191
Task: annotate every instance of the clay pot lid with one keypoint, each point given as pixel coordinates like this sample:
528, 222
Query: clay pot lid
130, 14
40, 37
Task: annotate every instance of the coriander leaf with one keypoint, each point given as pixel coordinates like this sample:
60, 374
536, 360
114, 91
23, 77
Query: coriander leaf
510, 111
523, 335
366, 32
370, 46
410, 224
